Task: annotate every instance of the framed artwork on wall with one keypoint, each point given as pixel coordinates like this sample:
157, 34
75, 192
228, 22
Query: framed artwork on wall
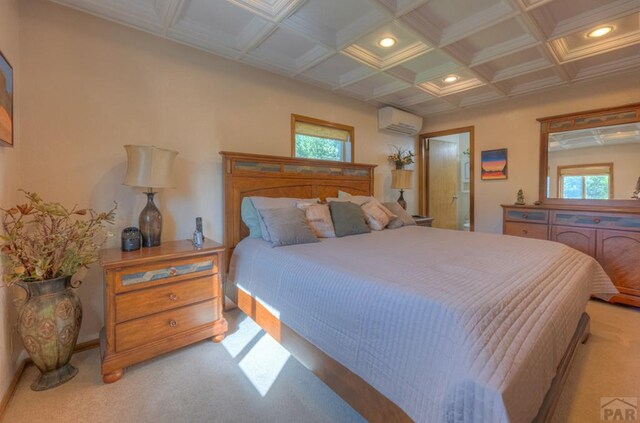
494, 165
6, 102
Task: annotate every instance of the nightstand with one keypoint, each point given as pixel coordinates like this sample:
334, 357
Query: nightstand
157, 300
423, 220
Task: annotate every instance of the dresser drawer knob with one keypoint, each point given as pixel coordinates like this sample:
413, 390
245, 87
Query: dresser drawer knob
173, 297
173, 271
596, 220
525, 215
173, 323
525, 232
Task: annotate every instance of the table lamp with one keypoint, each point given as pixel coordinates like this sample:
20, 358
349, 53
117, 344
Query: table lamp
401, 179
149, 167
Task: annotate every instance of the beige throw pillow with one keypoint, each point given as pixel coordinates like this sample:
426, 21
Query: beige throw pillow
377, 215
403, 218
319, 218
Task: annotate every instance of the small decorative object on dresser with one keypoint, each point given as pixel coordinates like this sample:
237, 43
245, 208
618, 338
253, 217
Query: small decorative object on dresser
158, 300
636, 193
131, 239
423, 220
149, 167
520, 199
43, 246
198, 236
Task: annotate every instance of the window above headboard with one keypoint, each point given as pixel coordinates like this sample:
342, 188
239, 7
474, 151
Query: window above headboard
321, 140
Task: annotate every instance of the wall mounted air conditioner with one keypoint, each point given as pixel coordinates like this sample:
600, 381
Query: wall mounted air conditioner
394, 120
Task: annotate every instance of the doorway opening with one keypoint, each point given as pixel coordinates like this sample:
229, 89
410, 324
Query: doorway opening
445, 162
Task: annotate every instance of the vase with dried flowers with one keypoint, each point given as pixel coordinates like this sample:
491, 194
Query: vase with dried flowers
401, 157
43, 245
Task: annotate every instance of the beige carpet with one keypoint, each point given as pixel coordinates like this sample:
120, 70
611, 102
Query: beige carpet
250, 378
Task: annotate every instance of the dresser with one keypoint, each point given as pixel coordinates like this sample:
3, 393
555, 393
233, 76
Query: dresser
612, 237
157, 300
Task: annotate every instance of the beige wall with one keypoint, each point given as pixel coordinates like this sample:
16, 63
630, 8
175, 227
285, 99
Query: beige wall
625, 159
512, 124
94, 86
10, 177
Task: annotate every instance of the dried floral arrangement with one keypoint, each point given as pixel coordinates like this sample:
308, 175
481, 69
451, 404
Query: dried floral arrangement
401, 157
43, 240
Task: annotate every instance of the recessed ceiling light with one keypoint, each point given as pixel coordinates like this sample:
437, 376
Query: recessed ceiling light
387, 42
451, 78
599, 32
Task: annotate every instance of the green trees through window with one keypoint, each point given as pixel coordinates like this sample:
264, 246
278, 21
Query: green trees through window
313, 138
310, 147
590, 187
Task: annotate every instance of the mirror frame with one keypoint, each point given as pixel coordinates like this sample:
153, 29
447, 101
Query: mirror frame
582, 120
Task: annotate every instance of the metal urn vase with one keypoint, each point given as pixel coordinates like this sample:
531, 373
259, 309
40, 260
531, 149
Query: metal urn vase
49, 322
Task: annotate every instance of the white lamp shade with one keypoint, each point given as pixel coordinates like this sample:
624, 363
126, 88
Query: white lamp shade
401, 179
149, 166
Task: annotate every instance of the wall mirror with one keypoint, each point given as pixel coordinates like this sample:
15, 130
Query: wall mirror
591, 158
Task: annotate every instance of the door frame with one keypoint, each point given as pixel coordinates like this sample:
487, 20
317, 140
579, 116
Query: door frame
423, 169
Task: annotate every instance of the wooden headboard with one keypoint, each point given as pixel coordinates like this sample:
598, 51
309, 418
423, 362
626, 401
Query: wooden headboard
247, 175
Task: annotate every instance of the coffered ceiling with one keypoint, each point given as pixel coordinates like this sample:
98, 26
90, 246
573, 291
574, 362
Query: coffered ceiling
491, 49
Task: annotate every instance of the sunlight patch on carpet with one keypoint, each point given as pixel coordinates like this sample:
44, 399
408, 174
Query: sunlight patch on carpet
263, 363
237, 341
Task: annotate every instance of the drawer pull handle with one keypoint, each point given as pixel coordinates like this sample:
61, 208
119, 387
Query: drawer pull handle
596, 220
173, 297
525, 232
525, 215
173, 323
173, 271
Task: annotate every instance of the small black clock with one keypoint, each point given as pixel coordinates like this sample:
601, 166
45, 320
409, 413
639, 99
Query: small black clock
131, 239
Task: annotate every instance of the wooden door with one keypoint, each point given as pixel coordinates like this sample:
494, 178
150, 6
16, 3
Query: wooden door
444, 180
619, 255
582, 239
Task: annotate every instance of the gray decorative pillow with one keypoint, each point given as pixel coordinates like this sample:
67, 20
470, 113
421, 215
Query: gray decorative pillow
261, 203
348, 218
287, 226
403, 219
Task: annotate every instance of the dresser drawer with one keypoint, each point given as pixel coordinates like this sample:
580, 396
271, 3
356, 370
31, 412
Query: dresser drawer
162, 325
132, 305
139, 277
526, 230
597, 220
527, 215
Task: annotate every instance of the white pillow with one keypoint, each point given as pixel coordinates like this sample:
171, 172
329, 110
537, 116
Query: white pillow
319, 218
377, 215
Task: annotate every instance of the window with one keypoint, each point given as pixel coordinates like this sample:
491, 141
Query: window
586, 182
318, 139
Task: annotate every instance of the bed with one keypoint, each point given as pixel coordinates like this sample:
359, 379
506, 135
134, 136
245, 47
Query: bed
416, 323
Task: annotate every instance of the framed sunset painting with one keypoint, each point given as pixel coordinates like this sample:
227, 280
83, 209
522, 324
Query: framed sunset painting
494, 164
6, 101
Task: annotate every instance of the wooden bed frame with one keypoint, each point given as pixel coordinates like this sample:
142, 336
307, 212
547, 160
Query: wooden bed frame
271, 176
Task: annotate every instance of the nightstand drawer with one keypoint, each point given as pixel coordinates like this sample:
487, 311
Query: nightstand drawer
165, 324
139, 277
526, 230
527, 215
132, 305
